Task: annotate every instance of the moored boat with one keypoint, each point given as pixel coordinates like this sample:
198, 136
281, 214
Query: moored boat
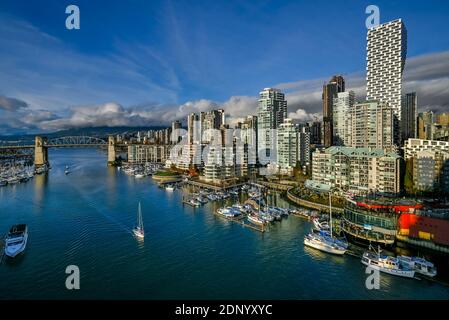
324, 243
256, 219
420, 265
386, 264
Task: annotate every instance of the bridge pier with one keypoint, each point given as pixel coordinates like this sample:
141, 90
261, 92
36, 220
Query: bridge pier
111, 151
40, 152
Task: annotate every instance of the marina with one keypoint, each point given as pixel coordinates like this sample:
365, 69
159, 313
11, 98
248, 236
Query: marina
188, 252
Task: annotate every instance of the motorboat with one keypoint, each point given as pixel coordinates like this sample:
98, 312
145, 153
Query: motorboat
420, 265
229, 212
387, 264
256, 219
138, 230
170, 188
139, 175
16, 240
194, 202
266, 217
66, 171
202, 199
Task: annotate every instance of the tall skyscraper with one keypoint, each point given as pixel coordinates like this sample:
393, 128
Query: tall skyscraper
287, 145
341, 121
330, 91
175, 134
272, 111
409, 116
372, 125
386, 54
425, 125
304, 146
193, 128
315, 133
211, 122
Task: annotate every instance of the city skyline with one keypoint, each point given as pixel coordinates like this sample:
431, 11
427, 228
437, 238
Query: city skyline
26, 108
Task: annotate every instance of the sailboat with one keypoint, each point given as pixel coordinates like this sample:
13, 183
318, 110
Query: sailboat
138, 230
324, 240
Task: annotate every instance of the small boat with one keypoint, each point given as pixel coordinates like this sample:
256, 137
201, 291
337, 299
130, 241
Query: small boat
66, 171
420, 265
320, 225
386, 264
194, 202
256, 219
3, 183
212, 197
170, 188
13, 180
229, 212
16, 240
138, 230
202, 199
266, 217
323, 243
139, 175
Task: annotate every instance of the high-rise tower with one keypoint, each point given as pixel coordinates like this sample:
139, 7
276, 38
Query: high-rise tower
386, 53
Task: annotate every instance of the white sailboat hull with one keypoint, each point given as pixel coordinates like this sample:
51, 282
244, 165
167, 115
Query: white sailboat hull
324, 247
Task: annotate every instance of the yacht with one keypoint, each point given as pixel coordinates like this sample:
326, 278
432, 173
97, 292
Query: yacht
229, 212
420, 265
324, 243
138, 230
386, 264
256, 219
170, 188
16, 240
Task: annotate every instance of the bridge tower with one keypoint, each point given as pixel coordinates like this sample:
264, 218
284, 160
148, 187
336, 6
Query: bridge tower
40, 152
111, 150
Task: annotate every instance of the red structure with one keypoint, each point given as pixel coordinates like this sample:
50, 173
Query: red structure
424, 228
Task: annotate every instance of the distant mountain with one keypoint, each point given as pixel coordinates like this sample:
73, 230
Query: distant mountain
93, 131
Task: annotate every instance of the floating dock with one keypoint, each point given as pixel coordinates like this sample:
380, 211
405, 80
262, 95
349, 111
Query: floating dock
241, 221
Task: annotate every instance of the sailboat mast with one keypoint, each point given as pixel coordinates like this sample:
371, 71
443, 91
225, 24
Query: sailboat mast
330, 212
140, 217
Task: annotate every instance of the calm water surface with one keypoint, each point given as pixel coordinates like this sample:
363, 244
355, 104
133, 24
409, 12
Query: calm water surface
85, 219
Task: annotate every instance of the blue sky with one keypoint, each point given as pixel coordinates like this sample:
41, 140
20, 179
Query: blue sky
154, 61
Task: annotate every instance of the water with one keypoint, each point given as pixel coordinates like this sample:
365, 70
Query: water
85, 219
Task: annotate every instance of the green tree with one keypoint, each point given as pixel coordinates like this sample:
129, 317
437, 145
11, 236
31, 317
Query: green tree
408, 178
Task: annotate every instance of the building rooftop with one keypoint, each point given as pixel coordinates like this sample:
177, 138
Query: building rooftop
356, 152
